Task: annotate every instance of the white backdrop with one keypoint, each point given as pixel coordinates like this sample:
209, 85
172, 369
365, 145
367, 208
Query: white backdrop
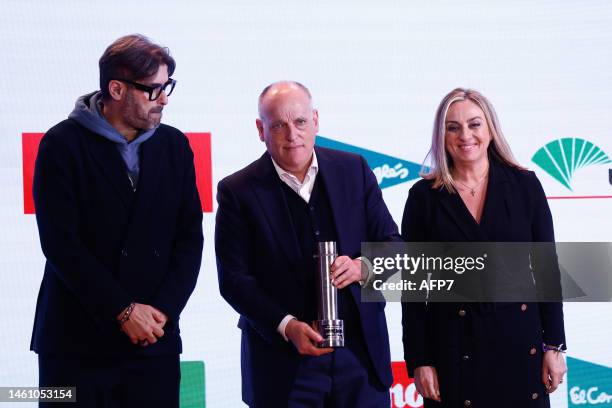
377, 71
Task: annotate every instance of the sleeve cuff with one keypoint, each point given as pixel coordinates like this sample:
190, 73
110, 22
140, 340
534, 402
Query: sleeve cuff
283, 325
366, 276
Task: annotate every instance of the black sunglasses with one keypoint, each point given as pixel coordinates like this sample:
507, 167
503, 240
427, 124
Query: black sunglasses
153, 91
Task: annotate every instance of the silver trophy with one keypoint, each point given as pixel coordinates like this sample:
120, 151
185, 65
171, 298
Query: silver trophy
329, 326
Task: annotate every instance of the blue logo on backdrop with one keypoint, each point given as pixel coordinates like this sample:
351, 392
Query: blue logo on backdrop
388, 170
588, 384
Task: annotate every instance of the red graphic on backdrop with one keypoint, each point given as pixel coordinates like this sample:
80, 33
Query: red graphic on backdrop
199, 142
29, 148
403, 391
202, 159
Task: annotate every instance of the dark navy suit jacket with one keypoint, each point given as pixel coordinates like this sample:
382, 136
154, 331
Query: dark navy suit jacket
256, 246
106, 245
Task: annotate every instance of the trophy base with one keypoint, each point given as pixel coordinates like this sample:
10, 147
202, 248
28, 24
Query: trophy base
332, 332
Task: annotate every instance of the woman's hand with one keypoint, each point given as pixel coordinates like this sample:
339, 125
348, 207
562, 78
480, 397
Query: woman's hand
426, 382
553, 370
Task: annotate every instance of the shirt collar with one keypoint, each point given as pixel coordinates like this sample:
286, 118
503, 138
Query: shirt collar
312, 170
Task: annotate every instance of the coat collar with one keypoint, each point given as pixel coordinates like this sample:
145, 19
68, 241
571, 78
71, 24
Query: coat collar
497, 198
334, 177
268, 189
107, 157
151, 155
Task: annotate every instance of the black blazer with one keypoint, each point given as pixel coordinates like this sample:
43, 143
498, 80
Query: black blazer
256, 245
106, 245
442, 334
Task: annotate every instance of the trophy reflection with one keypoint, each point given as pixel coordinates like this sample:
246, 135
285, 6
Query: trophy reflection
329, 326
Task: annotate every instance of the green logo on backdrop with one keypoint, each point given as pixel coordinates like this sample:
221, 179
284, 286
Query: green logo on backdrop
561, 158
193, 390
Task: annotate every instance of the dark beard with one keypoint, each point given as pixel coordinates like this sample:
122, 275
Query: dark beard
131, 111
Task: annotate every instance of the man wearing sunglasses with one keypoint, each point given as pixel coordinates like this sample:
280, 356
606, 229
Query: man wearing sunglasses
120, 224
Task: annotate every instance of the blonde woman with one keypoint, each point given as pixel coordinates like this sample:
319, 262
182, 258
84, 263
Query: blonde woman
475, 354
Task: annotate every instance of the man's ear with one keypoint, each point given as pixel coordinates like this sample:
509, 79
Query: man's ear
260, 129
117, 90
315, 119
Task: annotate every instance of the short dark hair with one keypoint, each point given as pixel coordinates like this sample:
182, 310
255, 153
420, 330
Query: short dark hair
132, 57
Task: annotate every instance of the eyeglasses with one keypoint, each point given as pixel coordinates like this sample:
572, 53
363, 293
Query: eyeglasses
153, 91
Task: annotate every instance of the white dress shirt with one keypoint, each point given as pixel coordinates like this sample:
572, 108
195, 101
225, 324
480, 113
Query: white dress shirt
302, 188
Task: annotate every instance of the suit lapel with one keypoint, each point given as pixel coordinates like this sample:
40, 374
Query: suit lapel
151, 156
496, 212
333, 175
107, 158
459, 213
269, 192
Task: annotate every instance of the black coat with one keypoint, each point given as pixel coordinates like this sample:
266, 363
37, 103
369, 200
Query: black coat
107, 245
487, 354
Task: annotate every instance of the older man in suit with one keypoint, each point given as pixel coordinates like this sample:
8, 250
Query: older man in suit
120, 224
271, 215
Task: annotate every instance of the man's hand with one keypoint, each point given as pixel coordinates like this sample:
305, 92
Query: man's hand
160, 317
553, 370
345, 271
145, 324
305, 338
426, 382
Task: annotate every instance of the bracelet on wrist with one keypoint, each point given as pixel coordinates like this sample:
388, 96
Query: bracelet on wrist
548, 347
126, 314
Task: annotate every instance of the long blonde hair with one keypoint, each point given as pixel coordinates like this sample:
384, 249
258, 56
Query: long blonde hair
441, 163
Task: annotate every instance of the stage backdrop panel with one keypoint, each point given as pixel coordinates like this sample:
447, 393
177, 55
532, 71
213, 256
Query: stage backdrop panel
377, 71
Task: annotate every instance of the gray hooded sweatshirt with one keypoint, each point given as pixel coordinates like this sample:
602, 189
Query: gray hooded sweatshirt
87, 111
